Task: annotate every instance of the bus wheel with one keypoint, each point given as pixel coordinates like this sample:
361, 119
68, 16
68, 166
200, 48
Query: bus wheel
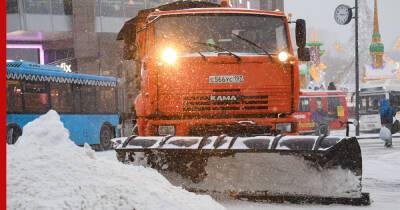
13, 133
106, 134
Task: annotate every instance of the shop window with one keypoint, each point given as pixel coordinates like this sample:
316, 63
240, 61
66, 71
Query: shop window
14, 96
107, 100
61, 97
88, 99
36, 97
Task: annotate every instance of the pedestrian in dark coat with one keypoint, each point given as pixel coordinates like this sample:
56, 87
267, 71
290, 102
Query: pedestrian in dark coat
386, 113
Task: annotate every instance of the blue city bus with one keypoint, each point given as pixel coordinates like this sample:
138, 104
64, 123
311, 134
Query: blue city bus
87, 104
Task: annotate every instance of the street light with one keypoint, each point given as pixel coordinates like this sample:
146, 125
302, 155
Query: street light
343, 15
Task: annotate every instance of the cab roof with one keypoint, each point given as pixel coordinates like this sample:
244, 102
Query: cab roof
220, 10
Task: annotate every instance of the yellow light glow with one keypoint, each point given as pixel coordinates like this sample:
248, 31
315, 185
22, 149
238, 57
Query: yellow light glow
169, 56
283, 56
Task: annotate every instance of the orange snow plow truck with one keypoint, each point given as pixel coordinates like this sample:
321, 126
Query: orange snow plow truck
214, 114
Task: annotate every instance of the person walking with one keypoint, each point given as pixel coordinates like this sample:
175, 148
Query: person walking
386, 113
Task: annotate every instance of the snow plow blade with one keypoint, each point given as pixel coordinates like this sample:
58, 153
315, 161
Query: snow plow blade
297, 169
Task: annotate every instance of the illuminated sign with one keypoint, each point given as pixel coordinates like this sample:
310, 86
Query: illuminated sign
65, 67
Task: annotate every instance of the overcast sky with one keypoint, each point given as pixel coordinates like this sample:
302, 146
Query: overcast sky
319, 17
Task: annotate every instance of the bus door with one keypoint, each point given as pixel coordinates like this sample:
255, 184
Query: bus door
369, 111
319, 110
336, 111
304, 116
394, 99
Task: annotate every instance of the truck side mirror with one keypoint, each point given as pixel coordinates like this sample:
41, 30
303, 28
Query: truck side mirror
303, 54
301, 35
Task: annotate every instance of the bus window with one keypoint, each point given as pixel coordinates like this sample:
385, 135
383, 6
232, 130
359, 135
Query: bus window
76, 92
61, 97
36, 97
107, 100
14, 96
318, 102
370, 104
333, 104
88, 99
304, 105
395, 101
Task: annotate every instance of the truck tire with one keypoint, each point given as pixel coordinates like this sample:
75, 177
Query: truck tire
106, 134
13, 133
322, 129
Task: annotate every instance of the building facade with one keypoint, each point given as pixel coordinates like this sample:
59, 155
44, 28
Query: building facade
80, 35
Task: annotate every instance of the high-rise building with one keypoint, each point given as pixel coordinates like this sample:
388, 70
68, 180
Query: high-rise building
81, 34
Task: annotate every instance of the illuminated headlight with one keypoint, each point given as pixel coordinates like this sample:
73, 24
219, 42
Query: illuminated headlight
283, 56
284, 127
169, 56
164, 130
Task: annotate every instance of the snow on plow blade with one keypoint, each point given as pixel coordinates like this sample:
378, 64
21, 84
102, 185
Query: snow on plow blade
297, 169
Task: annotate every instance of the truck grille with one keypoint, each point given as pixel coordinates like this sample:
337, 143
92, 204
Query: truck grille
224, 101
230, 129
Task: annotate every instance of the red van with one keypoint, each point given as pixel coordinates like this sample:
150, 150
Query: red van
320, 111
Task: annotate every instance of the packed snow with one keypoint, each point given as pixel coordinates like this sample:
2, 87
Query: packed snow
46, 170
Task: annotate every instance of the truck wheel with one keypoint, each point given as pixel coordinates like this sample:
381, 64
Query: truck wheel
13, 133
322, 129
106, 134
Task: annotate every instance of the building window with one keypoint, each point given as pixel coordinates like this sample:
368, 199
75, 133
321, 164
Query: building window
107, 100
26, 54
61, 97
12, 6
61, 7
156, 3
14, 96
111, 8
132, 7
58, 56
37, 6
36, 97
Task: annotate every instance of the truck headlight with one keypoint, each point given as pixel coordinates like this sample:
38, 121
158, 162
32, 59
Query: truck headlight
284, 127
283, 56
164, 130
169, 56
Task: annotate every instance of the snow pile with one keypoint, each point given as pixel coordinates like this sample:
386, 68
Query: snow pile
46, 170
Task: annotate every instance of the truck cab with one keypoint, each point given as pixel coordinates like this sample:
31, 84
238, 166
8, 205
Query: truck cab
213, 71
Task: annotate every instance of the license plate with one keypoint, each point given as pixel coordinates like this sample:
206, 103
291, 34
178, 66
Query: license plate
226, 79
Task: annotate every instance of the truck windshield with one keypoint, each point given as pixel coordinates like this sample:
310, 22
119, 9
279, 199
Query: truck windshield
181, 31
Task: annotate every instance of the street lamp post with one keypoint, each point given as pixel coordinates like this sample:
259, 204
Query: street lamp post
343, 15
357, 70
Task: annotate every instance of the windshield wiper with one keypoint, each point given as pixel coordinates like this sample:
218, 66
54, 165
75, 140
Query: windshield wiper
192, 48
221, 49
255, 45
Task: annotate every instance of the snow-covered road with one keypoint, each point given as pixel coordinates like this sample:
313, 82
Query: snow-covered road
381, 168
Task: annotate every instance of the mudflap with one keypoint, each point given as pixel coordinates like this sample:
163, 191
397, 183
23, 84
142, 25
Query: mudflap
296, 169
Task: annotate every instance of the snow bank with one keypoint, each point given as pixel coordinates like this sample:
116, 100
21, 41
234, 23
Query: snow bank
46, 170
